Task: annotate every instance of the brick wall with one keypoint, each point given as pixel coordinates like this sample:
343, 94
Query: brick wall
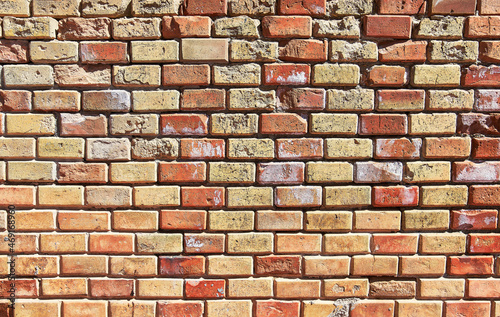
251, 157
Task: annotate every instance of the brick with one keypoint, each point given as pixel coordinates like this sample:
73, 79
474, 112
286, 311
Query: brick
345, 7
348, 148
419, 220
106, 100
53, 52
229, 308
24, 288
280, 173
438, 288
230, 265
286, 27
483, 195
111, 288
326, 123
15, 100
452, 147
203, 99
231, 221
460, 308
477, 123
344, 51
171, 308
326, 172
189, 172
487, 101
31, 171
249, 243
25, 243
398, 148
136, 28
204, 243
19, 8
253, 51
402, 7
297, 288
207, 7
84, 29
83, 221
146, 101
182, 265
286, 74
473, 219
154, 51
108, 196
231, 172
205, 288
183, 124
481, 76
397, 27
392, 289
35, 220
278, 220
319, 308
326, 266
378, 221
117, 243
482, 288
417, 308
61, 196
283, 124
376, 308
275, 308
13, 51
470, 265
29, 76
488, 7
432, 124
436, 75
447, 27
466, 172
485, 148
30, 124
183, 220
432, 172
251, 149
111, 8
34, 307
300, 196
237, 27
483, 27
137, 76
298, 243
83, 76
397, 196
209, 197
375, 172
149, 196
56, 8
299, 148
442, 243
234, 124
103, 52
63, 243
409, 51
345, 28
453, 7
237, 75
61, 148
24, 196
386, 76
202, 149
450, 100
433, 196
135, 220
379, 265
143, 124
254, 197
252, 7
80, 125
161, 288
483, 243
186, 26
422, 265
278, 265
314, 8
400, 100
39, 28
335, 75
345, 288
215, 50
163, 148
156, 8
457, 51
108, 149
125, 266
394, 244
304, 50
376, 124
37, 265
56, 100
347, 196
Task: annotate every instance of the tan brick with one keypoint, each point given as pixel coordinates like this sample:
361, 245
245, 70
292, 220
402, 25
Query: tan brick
272, 220
436, 75
152, 196
250, 288
422, 265
163, 148
419, 308
84, 265
222, 172
43, 28
326, 265
130, 308
37, 265
339, 124
250, 99
230, 265
298, 243
231, 220
427, 172
108, 196
56, 100
347, 196
252, 243
155, 8
378, 265
366, 220
442, 243
31, 171
30, 124
35, 220
452, 147
345, 28
137, 76
133, 172
87, 75
241, 124
286, 288
60, 196
237, 75
160, 288
152, 243
441, 288
260, 149
419, 220
433, 123
54, 52
228, 308
110, 8
17, 8
17, 148
127, 124
253, 51
64, 148
237, 27
435, 196
56, 8
450, 100
446, 27
125, 220
349, 148
83, 221
146, 101
136, 28
215, 50
154, 51
456, 51
133, 266
346, 288
249, 197
329, 172
63, 243
350, 100
336, 74
108, 149
343, 51
329, 221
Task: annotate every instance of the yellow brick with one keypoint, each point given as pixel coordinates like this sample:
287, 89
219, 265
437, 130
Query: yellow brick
132, 266
154, 51
63, 243
35, 220
253, 51
346, 288
237, 75
28, 76
449, 100
64, 196
136, 28
366, 220
133, 172
347, 196
17, 148
442, 243
129, 308
436, 196
231, 220
418, 265
427, 172
56, 100
253, 243
152, 196
436, 75
442, 288
251, 99
336, 74
433, 123
74, 287
228, 308
417, 220
419, 308
140, 124
31, 171
160, 288
331, 221
18, 8
230, 265
338, 123
30, 28
329, 172
146, 101
227, 124
54, 52
137, 76
153, 243
272, 220
133, 220
250, 288
240, 173
260, 149
64, 148
322, 308
352, 243
255, 197
350, 100
349, 148
30, 124
56, 8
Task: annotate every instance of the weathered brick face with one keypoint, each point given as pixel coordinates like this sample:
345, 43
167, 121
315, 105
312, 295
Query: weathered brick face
240, 158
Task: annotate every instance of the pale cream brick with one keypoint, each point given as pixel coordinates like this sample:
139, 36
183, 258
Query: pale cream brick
155, 243
152, 196
254, 197
433, 123
29, 76
328, 123
231, 220
350, 100
331, 221
434, 196
455, 51
349, 148
222, 172
272, 220
133, 266
136, 28
436, 75
427, 172
60, 196
447, 27
336, 74
17, 148
56, 100
339, 288
133, 172
253, 51
347, 196
345, 28
329, 172
155, 7
43, 28
154, 51
237, 75
215, 50
64, 148
252, 243
441, 288
420, 220
137, 76
443, 243
160, 288
251, 99
450, 100
344, 51
139, 124
352, 243
367, 220
226, 124
228, 308
30, 124
148, 101
256, 149
250, 288
32, 171
230, 265
108, 8
56, 8
102, 149
53, 52
237, 27
17, 8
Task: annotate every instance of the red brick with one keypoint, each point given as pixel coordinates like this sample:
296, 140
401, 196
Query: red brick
453, 7
470, 265
409, 7
187, 75
460, 309
111, 288
205, 288
19, 196
299, 196
76, 173
477, 123
204, 243
183, 220
482, 76
84, 29
386, 76
299, 149
396, 27
206, 7
15, 101
207, 149
486, 148
179, 309
301, 98
483, 27
287, 74
280, 173
103, 52
177, 172
13, 51
489, 51
484, 195
383, 124
23, 288
276, 265
394, 244
203, 100
447, 147
379, 308
400, 100
470, 172
489, 7
111, 243
302, 7
182, 266
179, 26
398, 148
203, 197
76, 124
304, 50
184, 124
409, 51
106, 100
287, 27
484, 243
282, 123
378, 172
277, 309
483, 288
474, 219
396, 196
487, 101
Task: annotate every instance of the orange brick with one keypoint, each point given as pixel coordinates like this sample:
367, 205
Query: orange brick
298, 243
83, 221
287, 27
111, 243
183, 220
378, 265
297, 288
